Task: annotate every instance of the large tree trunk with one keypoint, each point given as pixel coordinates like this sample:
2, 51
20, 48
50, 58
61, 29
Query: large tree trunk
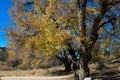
81, 70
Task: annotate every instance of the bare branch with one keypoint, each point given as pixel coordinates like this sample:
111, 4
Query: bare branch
105, 8
28, 3
75, 31
112, 4
98, 19
102, 24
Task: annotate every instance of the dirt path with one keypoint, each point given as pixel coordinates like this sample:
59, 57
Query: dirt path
67, 77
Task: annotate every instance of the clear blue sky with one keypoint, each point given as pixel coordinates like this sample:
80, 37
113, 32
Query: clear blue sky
4, 20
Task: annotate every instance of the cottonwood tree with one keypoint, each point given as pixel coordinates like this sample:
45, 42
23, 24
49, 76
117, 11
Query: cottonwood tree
33, 31
50, 23
103, 14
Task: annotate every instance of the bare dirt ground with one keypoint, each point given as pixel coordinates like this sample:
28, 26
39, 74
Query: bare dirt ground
36, 74
68, 77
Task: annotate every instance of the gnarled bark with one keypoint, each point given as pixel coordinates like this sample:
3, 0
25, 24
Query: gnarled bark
81, 69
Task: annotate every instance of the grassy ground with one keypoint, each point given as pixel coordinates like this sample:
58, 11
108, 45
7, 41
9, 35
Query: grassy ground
110, 68
34, 72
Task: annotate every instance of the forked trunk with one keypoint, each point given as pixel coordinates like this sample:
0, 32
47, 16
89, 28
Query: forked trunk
81, 70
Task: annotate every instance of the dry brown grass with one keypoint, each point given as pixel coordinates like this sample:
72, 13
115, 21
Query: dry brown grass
34, 72
22, 72
112, 68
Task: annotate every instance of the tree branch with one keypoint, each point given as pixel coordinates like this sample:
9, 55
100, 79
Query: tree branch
112, 4
102, 24
100, 16
81, 9
76, 31
105, 8
95, 27
28, 3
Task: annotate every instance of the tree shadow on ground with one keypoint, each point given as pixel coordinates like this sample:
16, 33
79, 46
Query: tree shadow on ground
110, 75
